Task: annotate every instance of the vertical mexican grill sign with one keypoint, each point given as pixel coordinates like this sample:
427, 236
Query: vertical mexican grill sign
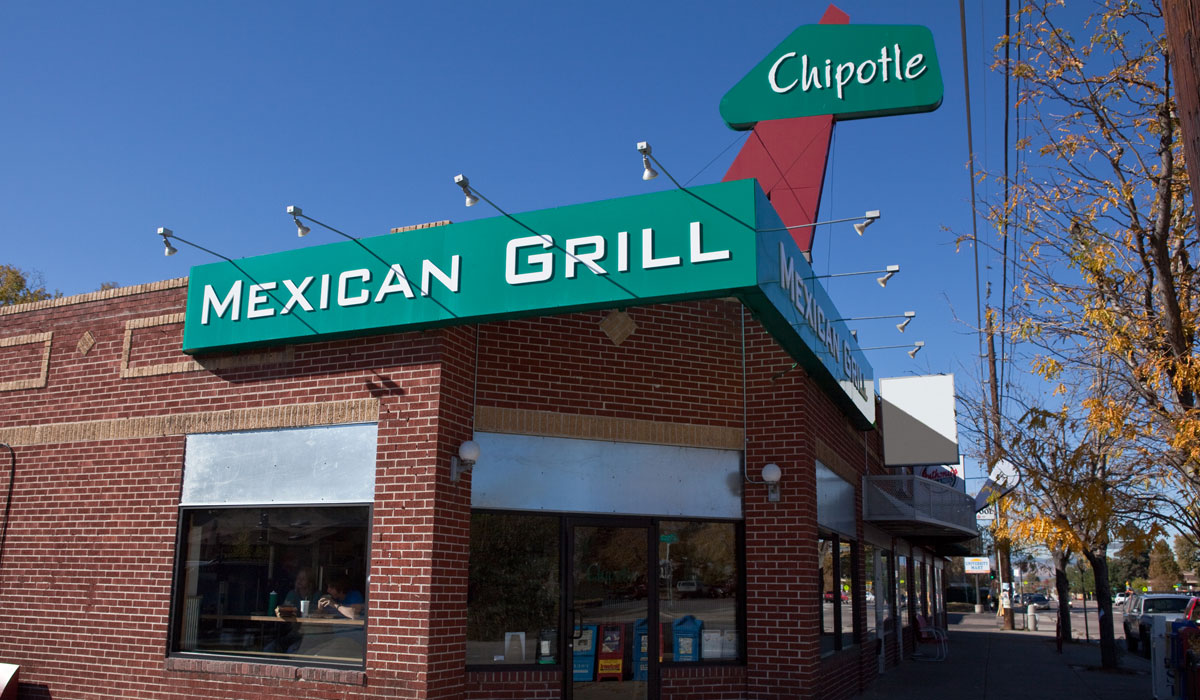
648, 249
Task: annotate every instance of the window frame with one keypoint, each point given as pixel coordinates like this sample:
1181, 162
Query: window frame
175, 612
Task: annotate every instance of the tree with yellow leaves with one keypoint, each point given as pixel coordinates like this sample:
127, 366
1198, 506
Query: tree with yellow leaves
1101, 217
19, 287
1076, 495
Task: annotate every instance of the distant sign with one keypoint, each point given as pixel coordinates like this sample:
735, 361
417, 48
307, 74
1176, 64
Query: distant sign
977, 565
987, 515
668, 538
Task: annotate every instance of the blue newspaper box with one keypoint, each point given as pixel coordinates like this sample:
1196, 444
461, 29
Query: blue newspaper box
584, 652
687, 630
641, 649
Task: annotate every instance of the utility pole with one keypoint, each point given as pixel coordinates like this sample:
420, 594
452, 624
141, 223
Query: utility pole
1003, 546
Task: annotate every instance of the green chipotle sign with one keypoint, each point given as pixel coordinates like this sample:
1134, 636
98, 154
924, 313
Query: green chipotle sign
647, 249
849, 71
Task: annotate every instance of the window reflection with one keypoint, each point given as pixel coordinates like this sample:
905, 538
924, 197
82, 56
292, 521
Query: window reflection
513, 589
845, 591
877, 596
901, 579
698, 591
278, 583
830, 604
922, 589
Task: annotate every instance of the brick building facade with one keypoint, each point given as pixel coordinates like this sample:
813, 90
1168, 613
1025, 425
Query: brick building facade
101, 407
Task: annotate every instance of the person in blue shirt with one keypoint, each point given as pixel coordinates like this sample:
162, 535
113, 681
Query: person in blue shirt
341, 599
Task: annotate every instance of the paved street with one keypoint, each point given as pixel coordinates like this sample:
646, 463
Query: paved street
986, 663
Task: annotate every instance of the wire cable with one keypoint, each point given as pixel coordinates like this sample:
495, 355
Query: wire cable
962, 21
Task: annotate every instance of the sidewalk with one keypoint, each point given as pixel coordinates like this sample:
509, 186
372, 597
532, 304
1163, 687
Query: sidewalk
986, 663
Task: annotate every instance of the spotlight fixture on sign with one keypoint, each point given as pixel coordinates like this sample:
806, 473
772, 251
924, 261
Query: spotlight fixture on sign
888, 273
916, 348
468, 454
648, 173
301, 230
169, 249
462, 181
871, 216
908, 316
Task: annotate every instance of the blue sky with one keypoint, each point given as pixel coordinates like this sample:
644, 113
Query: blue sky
210, 118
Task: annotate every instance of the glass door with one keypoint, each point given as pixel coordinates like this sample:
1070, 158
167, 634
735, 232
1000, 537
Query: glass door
612, 652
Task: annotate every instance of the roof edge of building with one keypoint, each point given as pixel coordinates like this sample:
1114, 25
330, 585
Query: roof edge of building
94, 296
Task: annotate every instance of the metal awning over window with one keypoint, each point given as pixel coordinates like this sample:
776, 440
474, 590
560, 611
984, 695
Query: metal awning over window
919, 509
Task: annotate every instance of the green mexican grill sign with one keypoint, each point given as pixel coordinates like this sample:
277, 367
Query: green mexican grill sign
718, 240
849, 71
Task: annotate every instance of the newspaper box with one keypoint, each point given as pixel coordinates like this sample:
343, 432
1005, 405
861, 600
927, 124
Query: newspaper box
687, 631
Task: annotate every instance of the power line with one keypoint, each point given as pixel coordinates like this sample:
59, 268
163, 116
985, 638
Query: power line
962, 21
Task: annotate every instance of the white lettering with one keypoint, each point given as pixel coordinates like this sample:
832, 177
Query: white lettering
297, 296
649, 262
786, 268
859, 72
257, 299
574, 257
324, 292
771, 76
344, 283
395, 281
701, 257
623, 251
884, 59
809, 75
543, 261
848, 68
429, 270
232, 303
913, 63
896, 60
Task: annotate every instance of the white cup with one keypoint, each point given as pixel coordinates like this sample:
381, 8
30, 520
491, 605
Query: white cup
304, 608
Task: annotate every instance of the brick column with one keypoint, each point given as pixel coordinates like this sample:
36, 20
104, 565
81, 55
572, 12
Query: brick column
782, 609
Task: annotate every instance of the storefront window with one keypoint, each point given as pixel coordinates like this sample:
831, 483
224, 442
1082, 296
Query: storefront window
877, 597
278, 583
901, 579
698, 591
939, 601
846, 591
922, 589
513, 589
830, 607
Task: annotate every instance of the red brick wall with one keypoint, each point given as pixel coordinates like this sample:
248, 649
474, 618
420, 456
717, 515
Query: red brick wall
86, 575
683, 363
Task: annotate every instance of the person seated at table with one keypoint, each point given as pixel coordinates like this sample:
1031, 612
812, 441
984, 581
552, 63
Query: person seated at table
341, 599
305, 588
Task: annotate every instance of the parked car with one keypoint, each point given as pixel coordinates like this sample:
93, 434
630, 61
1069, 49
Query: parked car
1119, 600
1037, 600
829, 596
1142, 608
